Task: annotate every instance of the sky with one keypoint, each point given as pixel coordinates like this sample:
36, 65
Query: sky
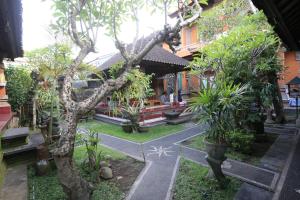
37, 16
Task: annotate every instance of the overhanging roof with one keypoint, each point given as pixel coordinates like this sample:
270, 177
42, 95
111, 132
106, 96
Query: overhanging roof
294, 81
11, 29
284, 15
158, 60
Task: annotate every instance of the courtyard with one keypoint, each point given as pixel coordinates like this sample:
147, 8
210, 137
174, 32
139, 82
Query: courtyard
149, 100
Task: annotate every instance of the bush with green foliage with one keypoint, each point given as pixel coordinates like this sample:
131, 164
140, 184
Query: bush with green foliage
247, 54
241, 140
216, 106
18, 85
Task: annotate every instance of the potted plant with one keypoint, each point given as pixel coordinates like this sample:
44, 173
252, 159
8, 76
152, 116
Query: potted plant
131, 113
215, 106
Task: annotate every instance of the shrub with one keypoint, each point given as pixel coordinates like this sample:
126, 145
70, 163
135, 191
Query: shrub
240, 140
18, 86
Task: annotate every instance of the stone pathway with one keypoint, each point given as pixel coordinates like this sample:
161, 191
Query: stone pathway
15, 184
275, 160
291, 185
162, 157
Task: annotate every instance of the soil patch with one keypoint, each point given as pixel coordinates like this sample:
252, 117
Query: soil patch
125, 172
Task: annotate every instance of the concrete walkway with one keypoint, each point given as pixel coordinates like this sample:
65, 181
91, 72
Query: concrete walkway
291, 185
15, 184
276, 159
162, 157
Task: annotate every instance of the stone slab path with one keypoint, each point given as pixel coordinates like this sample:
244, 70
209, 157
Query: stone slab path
276, 159
15, 184
162, 157
291, 185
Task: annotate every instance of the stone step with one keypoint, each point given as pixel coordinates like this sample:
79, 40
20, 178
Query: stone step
21, 151
14, 137
13, 133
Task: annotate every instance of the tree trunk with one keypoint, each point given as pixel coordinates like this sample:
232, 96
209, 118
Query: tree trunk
277, 99
74, 186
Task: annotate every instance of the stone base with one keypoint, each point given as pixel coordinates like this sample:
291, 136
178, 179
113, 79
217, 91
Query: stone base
5, 107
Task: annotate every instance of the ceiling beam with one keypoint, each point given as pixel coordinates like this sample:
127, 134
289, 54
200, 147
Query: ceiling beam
275, 18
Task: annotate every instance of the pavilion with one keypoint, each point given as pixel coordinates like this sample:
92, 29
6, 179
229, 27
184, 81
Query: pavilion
165, 66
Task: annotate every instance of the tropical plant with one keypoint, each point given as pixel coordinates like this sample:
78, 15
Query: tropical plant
221, 18
240, 140
139, 88
19, 88
90, 138
216, 107
132, 113
247, 54
81, 21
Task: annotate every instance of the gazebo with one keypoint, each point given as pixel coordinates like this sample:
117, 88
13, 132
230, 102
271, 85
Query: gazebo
159, 62
164, 65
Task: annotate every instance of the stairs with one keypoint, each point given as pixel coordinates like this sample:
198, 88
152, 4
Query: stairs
19, 145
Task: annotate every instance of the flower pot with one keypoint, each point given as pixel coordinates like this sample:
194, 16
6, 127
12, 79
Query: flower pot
127, 127
215, 157
143, 129
172, 115
216, 151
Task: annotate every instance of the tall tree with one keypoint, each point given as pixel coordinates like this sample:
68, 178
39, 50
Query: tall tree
81, 20
247, 54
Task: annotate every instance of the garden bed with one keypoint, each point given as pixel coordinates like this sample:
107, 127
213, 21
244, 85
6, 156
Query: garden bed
125, 170
115, 130
258, 149
193, 183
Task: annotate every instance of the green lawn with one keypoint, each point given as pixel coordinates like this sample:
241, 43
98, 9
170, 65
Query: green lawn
48, 187
192, 183
80, 153
258, 149
115, 130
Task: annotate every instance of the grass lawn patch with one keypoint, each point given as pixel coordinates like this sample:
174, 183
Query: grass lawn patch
258, 149
115, 130
125, 171
192, 183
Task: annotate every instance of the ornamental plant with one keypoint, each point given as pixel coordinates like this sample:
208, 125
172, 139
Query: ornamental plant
216, 106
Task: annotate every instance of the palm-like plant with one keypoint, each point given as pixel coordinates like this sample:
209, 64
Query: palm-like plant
132, 113
216, 106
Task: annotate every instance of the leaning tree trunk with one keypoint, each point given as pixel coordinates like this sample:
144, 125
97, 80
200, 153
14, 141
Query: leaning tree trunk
73, 185
277, 99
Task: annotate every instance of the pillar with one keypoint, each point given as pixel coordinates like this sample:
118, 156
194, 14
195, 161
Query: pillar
176, 86
4, 105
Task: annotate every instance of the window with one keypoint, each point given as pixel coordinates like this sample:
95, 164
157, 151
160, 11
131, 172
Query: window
298, 55
188, 36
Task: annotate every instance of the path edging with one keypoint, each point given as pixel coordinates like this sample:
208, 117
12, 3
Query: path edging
286, 168
138, 180
171, 186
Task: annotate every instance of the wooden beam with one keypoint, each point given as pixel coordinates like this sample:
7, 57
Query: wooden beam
276, 18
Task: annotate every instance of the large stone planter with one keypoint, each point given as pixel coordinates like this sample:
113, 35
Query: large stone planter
170, 115
143, 129
127, 127
215, 157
